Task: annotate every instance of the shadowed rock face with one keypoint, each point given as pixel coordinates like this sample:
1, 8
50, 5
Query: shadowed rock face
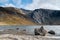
46, 16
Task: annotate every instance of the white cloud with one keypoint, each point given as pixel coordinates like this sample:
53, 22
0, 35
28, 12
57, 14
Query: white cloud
34, 5
47, 4
8, 5
17, 3
3, 1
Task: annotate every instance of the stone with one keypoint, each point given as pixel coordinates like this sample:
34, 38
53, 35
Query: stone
51, 32
40, 31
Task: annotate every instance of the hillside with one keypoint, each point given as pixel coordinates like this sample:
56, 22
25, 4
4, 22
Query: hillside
13, 16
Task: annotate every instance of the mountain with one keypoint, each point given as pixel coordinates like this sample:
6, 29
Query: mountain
46, 16
14, 16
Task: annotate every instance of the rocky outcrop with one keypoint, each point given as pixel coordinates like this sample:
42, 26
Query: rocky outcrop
41, 31
46, 16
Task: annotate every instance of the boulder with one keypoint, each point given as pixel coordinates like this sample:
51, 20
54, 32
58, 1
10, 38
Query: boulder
40, 31
17, 28
51, 32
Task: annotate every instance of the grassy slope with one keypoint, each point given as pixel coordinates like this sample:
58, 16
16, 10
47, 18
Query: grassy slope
9, 19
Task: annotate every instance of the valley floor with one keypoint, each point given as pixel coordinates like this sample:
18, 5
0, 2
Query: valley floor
26, 37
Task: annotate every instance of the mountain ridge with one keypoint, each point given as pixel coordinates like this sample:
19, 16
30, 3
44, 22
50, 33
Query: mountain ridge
11, 15
46, 16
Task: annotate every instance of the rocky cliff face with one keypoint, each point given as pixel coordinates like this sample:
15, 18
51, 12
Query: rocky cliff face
21, 16
46, 16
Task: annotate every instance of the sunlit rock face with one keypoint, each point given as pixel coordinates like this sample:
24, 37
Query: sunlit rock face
46, 16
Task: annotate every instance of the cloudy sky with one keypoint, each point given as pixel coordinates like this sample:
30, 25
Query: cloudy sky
31, 4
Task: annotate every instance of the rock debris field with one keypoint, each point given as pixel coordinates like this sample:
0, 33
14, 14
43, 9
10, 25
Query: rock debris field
27, 37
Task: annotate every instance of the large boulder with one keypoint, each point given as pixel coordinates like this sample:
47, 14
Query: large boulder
40, 31
51, 32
